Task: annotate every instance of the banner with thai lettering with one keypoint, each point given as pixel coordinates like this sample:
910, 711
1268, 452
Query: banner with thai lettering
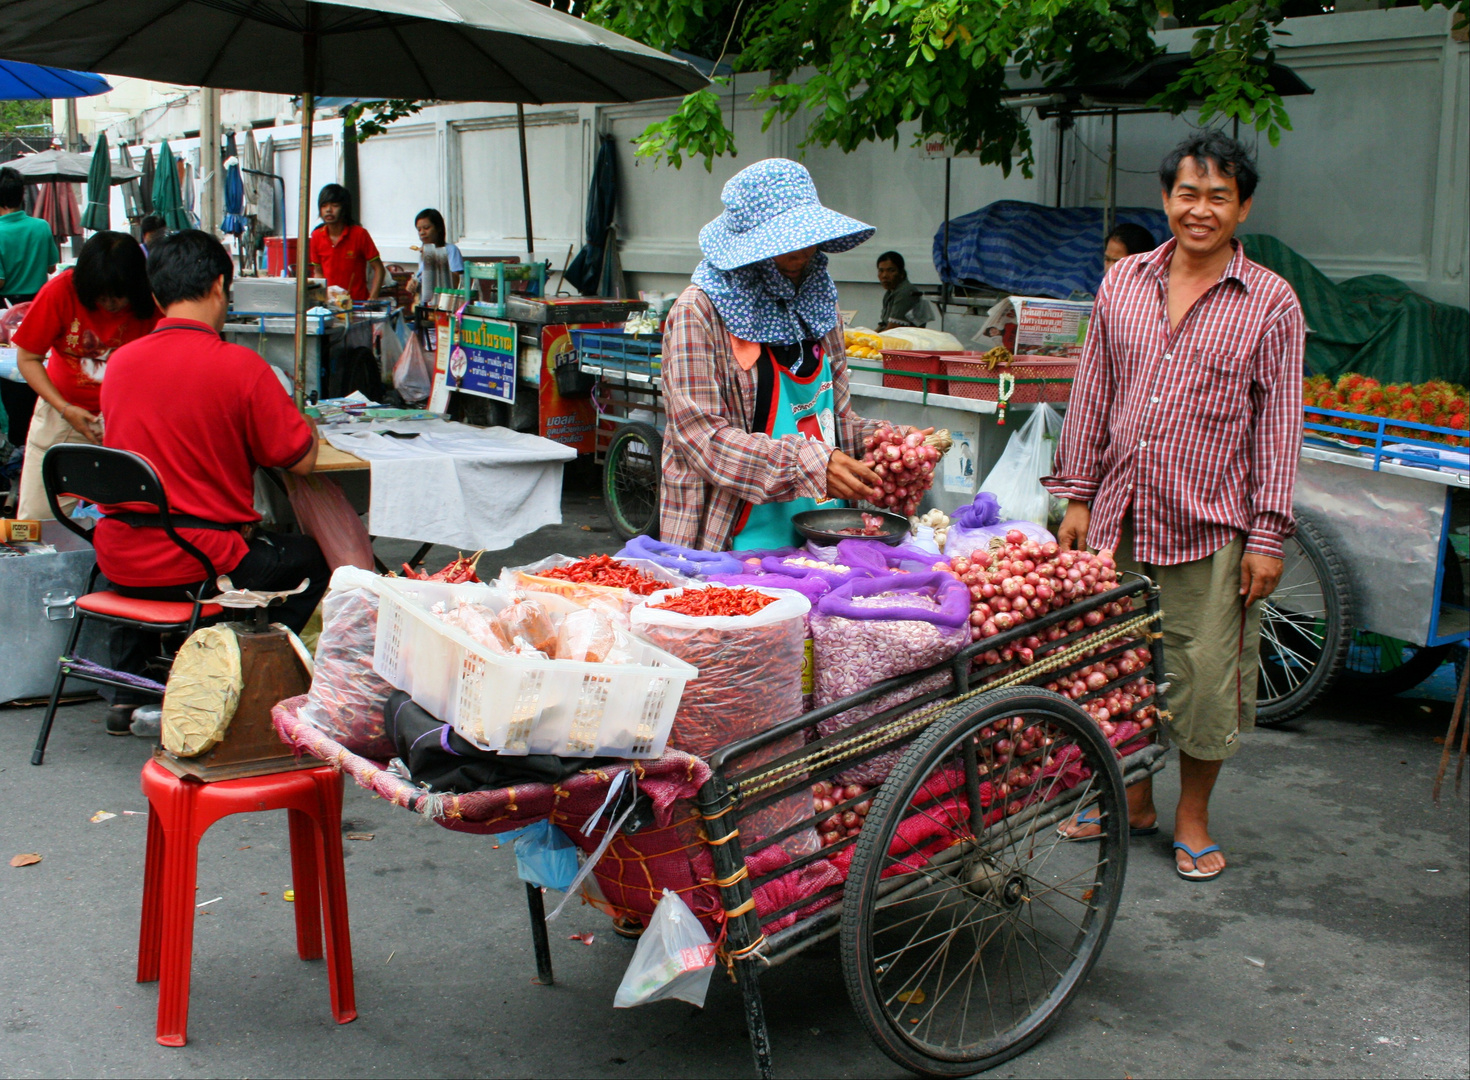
482, 358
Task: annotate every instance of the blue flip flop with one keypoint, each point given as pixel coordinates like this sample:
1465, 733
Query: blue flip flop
1196, 874
1083, 819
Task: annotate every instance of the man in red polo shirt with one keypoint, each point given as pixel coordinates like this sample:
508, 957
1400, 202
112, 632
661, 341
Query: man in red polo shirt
341, 250
206, 414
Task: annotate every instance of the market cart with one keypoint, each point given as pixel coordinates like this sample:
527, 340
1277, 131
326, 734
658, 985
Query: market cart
625, 374
1373, 591
967, 922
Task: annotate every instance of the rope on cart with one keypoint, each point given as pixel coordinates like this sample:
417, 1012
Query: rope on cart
915, 721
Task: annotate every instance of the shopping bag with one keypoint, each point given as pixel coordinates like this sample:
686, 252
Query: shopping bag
324, 514
544, 856
413, 375
1016, 478
674, 958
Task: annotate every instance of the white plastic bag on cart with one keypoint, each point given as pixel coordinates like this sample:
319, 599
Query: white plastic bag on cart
1016, 478
674, 958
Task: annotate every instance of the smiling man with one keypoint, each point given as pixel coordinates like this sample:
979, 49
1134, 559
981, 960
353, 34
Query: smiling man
1179, 451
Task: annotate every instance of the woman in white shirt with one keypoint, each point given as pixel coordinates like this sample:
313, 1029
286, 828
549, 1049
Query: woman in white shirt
440, 263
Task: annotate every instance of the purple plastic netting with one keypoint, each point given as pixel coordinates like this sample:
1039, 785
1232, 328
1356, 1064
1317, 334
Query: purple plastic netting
937, 598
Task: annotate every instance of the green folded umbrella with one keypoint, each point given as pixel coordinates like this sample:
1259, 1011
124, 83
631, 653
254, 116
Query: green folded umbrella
98, 214
168, 200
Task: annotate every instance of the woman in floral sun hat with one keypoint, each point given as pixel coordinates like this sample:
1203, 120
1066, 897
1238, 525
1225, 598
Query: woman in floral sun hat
760, 423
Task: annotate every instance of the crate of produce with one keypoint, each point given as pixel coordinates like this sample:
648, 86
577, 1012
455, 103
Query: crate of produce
620, 357
520, 704
920, 363
1038, 378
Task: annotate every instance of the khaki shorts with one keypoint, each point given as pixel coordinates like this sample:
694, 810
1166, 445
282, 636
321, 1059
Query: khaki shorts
48, 428
1211, 664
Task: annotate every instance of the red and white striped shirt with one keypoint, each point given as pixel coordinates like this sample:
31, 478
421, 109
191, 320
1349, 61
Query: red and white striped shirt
1197, 431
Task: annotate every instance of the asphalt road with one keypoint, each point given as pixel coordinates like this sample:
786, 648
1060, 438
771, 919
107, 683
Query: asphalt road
1335, 944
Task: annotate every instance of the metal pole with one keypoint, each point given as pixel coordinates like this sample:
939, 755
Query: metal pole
209, 160
1110, 217
303, 199
945, 284
525, 180
1061, 147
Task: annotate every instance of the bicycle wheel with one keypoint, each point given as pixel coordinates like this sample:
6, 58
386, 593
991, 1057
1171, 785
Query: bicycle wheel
964, 935
1305, 627
630, 475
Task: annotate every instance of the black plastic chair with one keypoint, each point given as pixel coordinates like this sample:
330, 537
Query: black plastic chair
98, 474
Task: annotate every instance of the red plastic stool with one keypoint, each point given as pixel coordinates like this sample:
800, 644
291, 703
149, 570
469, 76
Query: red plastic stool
181, 811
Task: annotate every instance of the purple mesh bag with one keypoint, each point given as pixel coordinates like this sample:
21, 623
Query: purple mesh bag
948, 599
687, 561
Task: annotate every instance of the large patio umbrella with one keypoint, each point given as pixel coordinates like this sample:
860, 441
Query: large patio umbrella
132, 197
58, 166
145, 182
98, 213
37, 82
234, 220
168, 201
56, 204
445, 50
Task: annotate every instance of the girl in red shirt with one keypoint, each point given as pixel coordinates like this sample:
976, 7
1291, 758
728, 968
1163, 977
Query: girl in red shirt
78, 318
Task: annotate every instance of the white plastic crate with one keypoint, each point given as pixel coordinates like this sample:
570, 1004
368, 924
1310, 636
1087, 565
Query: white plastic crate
520, 705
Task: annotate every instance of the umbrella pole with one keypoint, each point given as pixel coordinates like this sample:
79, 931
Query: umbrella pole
303, 215
525, 180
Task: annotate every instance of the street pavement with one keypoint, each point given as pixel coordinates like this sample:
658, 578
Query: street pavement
1335, 945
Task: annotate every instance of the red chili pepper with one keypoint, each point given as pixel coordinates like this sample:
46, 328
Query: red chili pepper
606, 571
717, 600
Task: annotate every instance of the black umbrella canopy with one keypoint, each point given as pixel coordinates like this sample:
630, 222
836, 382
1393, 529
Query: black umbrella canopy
58, 166
445, 50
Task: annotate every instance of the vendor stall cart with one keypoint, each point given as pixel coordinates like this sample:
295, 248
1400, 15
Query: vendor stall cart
1373, 590
967, 921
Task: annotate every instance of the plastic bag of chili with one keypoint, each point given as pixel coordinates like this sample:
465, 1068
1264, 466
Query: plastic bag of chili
750, 669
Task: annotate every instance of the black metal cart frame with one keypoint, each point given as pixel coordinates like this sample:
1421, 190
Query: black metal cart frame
737, 789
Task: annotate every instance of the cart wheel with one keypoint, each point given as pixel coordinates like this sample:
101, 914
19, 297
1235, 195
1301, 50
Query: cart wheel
962, 957
630, 475
1304, 627
1383, 665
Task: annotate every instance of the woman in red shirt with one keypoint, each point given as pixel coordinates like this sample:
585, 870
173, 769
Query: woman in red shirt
341, 250
78, 318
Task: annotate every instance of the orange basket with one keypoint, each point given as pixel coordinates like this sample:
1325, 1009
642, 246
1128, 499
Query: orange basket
1038, 378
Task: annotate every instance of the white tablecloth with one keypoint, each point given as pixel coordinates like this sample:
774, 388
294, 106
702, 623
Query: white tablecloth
454, 484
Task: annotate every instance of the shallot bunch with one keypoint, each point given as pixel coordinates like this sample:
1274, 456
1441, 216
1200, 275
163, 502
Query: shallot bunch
826, 797
905, 463
1119, 703
1021, 754
1024, 580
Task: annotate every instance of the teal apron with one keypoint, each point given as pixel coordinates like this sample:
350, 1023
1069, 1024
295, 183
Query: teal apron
798, 406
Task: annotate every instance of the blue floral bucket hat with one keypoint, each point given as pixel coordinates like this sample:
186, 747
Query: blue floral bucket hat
771, 208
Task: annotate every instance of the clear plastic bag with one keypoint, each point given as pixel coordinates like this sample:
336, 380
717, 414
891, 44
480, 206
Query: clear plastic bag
531, 622
674, 959
1016, 478
347, 695
587, 636
325, 515
413, 375
544, 856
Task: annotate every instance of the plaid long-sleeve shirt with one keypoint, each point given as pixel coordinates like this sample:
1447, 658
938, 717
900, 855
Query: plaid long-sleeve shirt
713, 464
1196, 431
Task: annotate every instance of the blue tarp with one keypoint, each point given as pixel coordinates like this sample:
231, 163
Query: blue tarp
1024, 249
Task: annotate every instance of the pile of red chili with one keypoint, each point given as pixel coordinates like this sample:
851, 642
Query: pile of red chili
716, 600
606, 571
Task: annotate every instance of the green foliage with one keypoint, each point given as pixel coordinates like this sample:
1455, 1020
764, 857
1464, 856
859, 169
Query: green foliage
696, 127
17, 114
371, 118
940, 65
1232, 60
